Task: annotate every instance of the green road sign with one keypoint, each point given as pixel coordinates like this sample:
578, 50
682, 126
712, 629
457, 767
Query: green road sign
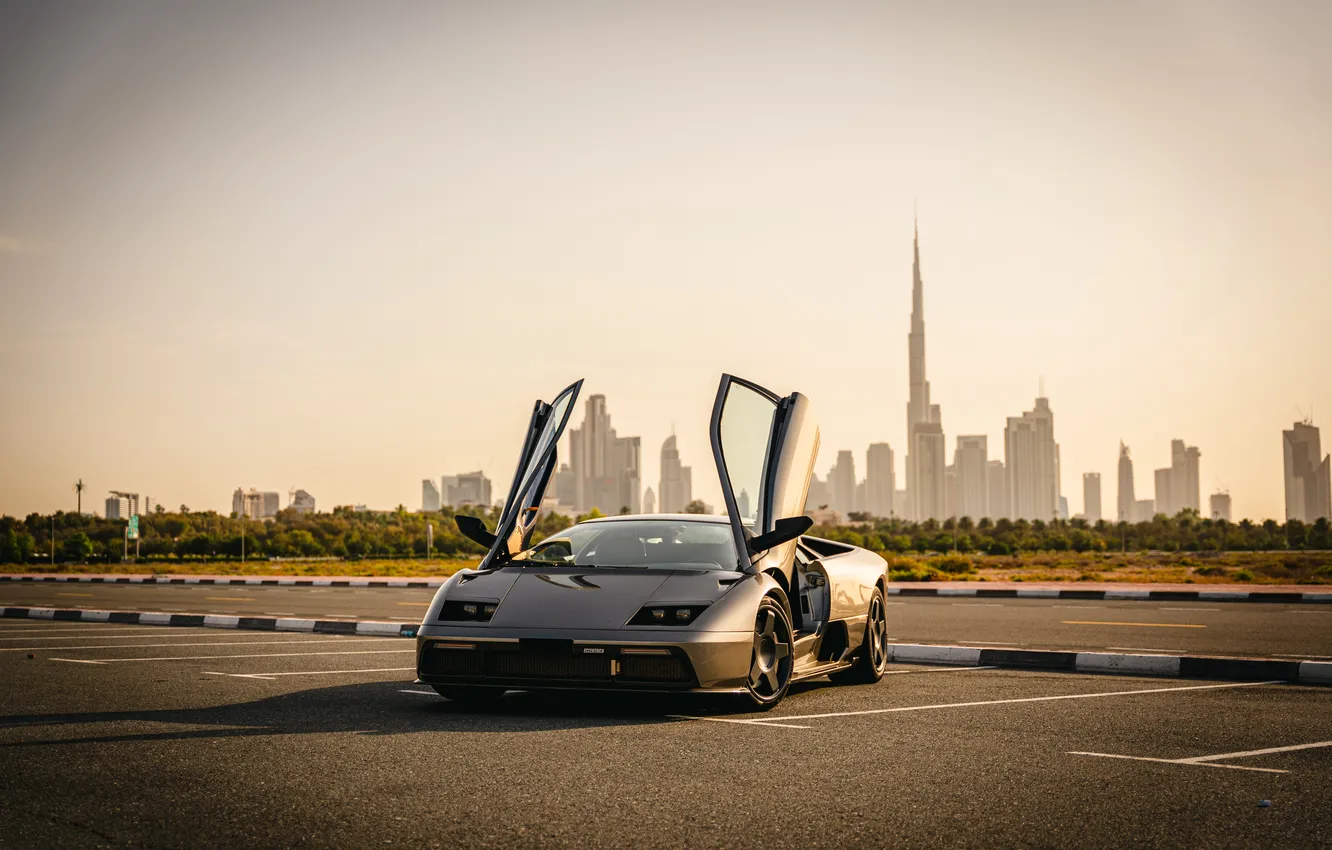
134, 527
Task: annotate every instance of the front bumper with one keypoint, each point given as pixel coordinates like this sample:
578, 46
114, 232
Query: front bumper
654, 659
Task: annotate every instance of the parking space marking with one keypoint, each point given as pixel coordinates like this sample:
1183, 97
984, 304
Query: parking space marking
1078, 607
1147, 625
228, 598
306, 673
1214, 761
207, 643
253, 655
905, 708
416, 604
937, 670
993, 642
1189, 609
422, 693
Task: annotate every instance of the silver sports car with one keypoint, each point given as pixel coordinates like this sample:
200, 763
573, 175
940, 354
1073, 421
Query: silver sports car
740, 603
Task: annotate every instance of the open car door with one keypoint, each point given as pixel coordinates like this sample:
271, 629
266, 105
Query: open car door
535, 465
765, 446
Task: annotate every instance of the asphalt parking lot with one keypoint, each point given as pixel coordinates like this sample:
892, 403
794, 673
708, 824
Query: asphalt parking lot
145, 736
1296, 631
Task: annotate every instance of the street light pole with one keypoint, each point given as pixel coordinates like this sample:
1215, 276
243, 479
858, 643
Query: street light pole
53, 540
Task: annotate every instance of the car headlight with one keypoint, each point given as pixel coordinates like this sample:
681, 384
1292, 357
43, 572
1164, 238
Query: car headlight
667, 615
468, 610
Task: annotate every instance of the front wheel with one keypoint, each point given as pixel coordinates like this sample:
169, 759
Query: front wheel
873, 658
772, 660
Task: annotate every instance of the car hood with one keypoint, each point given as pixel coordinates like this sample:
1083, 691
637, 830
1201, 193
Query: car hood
599, 598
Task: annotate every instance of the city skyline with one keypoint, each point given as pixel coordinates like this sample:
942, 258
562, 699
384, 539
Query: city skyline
1144, 225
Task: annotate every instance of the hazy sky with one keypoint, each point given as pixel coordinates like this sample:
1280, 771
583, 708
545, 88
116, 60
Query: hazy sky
344, 246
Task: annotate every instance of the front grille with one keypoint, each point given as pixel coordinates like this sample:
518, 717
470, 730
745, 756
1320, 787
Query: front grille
654, 669
451, 662
532, 665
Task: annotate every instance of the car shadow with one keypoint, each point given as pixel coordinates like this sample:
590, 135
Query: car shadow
381, 708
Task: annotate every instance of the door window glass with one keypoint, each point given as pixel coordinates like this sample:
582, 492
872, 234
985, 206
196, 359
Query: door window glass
746, 431
558, 410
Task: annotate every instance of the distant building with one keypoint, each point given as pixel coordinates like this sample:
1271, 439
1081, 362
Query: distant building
1063, 507
972, 463
1127, 501
429, 495
302, 502
254, 504
950, 490
925, 461
1144, 510
470, 488
650, 501
996, 482
899, 500
880, 480
842, 482
606, 467
820, 494
824, 516
1185, 493
117, 507
676, 487
1165, 501
1220, 504
149, 505
1031, 458
1308, 474
1091, 496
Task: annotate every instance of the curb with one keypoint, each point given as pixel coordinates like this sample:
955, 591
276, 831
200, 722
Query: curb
1141, 595
1180, 666
284, 582
215, 621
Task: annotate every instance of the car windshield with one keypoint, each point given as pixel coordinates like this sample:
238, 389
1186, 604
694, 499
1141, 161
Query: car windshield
638, 543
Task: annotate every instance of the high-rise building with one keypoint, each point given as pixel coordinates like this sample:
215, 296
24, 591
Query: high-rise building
971, 461
676, 485
1031, 459
1144, 510
880, 480
429, 495
1165, 499
925, 461
1127, 500
255, 504
470, 488
649, 501
117, 507
149, 505
820, 494
1091, 496
1185, 493
606, 467
1220, 504
842, 480
302, 502
130, 506
996, 480
1308, 474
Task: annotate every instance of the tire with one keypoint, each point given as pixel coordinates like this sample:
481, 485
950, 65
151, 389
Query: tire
470, 696
773, 658
872, 659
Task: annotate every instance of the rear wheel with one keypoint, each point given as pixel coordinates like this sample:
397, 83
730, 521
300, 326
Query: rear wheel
771, 663
873, 658
470, 696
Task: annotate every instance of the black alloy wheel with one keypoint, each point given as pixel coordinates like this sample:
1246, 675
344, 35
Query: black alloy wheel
773, 658
873, 658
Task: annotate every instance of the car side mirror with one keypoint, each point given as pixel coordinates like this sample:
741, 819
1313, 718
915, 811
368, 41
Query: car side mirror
474, 529
783, 530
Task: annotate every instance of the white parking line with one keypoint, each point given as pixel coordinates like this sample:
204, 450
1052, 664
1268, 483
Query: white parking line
936, 670
1213, 761
422, 693
254, 655
993, 642
1076, 607
306, 673
207, 643
869, 711
1189, 609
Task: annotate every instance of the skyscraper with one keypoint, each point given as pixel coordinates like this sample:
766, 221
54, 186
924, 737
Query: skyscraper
649, 501
675, 488
1091, 496
1220, 504
880, 480
842, 480
1032, 461
971, 462
996, 478
1127, 500
925, 460
1165, 498
606, 467
301, 502
429, 495
470, 488
1308, 478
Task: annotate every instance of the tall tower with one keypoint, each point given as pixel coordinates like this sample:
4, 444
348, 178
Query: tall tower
925, 456
1126, 495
